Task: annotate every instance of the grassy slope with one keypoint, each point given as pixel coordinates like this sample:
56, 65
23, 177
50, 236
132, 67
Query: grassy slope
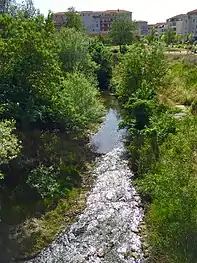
181, 80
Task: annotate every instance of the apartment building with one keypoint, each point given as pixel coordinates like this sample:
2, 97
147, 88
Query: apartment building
159, 28
142, 27
95, 22
184, 24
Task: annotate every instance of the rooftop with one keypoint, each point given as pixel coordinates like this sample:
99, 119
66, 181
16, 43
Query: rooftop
98, 12
194, 12
177, 16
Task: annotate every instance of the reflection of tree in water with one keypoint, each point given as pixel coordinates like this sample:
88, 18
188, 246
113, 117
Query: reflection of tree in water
109, 134
111, 103
109, 100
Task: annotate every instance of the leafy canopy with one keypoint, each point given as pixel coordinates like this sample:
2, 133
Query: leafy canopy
74, 20
122, 31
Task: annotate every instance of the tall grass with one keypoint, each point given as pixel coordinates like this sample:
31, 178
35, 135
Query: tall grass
181, 81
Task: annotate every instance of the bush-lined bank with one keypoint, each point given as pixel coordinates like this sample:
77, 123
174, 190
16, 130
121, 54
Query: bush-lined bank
49, 91
162, 152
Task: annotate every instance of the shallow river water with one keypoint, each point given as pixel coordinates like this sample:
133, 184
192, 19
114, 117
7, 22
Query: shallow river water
108, 229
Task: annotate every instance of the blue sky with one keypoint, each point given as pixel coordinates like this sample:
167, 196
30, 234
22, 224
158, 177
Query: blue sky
150, 10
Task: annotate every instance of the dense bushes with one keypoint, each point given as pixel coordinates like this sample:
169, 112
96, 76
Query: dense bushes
171, 184
136, 79
49, 91
102, 57
33, 82
9, 144
162, 152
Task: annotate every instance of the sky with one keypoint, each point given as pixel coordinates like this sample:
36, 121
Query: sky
152, 11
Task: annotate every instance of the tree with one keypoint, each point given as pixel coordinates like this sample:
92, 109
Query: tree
178, 38
10, 146
74, 20
190, 38
14, 8
35, 86
102, 56
122, 32
73, 50
28, 8
169, 36
152, 37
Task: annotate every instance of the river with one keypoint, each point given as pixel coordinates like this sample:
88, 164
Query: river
108, 229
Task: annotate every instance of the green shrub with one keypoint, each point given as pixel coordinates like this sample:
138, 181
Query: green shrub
9, 144
73, 50
171, 183
162, 152
102, 57
194, 107
34, 84
180, 82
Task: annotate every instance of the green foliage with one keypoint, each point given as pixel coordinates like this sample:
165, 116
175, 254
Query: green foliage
102, 57
169, 36
29, 70
172, 187
83, 105
74, 20
53, 183
180, 82
162, 150
48, 88
33, 80
137, 79
9, 144
140, 72
194, 107
122, 32
16, 8
73, 51
152, 37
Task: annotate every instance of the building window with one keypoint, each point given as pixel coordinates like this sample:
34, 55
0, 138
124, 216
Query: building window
194, 20
185, 21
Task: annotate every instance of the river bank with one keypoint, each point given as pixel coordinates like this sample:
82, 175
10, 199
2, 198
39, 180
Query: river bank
27, 227
109, 228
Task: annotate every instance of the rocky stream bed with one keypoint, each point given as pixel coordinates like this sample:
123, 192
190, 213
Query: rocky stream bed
108, 229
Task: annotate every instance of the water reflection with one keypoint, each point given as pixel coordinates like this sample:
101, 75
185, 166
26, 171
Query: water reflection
109, 134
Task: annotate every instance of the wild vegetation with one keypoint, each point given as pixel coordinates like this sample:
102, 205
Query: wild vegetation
50, 101
162, 148
180, 83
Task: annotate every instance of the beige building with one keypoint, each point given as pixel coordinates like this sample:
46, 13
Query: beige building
184, 24
95, 22
159, 28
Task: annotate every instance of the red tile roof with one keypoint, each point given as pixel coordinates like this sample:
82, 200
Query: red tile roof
98, 12
194, 12
116, 11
